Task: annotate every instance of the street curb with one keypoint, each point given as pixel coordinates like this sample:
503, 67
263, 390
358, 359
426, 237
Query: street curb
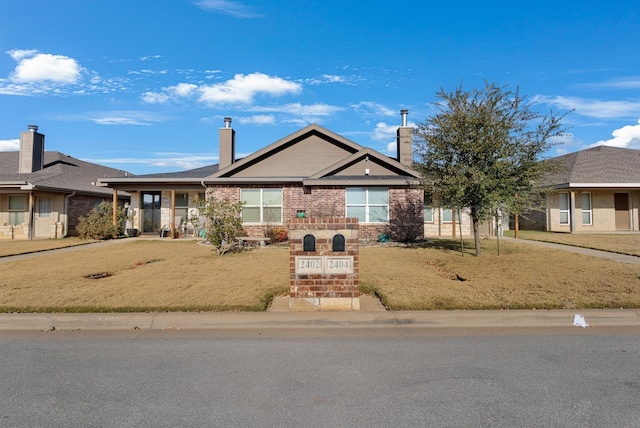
275, 320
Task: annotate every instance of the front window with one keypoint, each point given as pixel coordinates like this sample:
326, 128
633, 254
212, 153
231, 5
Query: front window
17, 208
43, 207
261, 205
447, 215
428, 208
182, 208
368, 205
563, 205
586, 208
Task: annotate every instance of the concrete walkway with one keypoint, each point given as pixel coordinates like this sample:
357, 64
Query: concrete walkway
622, 258
541, 319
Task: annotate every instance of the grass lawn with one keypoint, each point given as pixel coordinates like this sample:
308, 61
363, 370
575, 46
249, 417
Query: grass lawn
182, 275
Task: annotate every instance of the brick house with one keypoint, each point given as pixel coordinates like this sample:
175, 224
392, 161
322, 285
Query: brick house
597, 190
313, 172
43, 193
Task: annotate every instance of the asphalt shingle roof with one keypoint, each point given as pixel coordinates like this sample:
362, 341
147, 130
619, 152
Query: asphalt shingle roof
60, 172
601, 164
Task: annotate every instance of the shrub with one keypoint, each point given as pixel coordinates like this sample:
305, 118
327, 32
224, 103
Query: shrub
98, 224
276, 234
223, 224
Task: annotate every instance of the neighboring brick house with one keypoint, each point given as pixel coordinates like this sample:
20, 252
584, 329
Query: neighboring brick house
597, 190
312, 173
43, 193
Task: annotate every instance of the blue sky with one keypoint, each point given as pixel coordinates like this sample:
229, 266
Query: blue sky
144, 85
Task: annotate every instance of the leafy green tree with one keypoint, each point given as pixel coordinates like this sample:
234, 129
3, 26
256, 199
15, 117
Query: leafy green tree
98, 224
482, 150
223, 222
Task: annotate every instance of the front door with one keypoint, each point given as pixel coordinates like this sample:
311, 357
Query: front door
151, 212
42, 217
622, 211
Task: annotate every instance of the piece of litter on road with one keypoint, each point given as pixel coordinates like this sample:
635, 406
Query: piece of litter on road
578, 321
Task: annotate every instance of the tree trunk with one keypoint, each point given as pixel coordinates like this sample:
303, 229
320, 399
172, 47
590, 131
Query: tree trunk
516, 226
476, 235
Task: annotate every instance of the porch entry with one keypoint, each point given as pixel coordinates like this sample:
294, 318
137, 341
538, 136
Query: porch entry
621, 201
151, 212
42, 218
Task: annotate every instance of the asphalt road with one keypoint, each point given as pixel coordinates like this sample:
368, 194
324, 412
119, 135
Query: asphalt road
365, 378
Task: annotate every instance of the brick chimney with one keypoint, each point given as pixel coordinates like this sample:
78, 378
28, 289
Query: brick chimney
31, 150
227, 144
404, 140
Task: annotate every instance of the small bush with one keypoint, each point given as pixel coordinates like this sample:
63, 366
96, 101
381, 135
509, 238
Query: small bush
276, 234
224, 222
99, 223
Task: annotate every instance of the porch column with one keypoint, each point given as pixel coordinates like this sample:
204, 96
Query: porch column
32, 216
173, 214
115, 208
453, 222
572, 211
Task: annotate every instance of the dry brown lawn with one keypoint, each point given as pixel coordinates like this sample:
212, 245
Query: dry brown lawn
167, 275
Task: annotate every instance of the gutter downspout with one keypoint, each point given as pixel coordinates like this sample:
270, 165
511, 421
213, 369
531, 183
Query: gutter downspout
66, 213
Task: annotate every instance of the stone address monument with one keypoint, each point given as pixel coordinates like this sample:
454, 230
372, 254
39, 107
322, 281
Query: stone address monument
324, 264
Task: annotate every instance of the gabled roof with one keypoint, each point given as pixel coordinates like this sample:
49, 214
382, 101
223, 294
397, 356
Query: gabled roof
60, 173
312, 155
341, 144
364, 159
600, 166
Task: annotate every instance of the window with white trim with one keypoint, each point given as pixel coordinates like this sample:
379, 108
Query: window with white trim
587, 212
17, 209
368, 204
261, 205
563, 207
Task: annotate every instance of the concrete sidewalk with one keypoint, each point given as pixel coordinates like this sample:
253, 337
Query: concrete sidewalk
622, 258
274, 320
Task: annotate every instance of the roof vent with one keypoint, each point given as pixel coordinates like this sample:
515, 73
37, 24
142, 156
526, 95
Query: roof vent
227, 122
32, 128
404, 114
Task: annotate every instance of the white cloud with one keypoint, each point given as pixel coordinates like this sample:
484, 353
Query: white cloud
591, 107
155, 97
228, 7
325, 79
169, 160
392, 147
18, 54
123, 118
9, 145
181, 90
37, 67
244, 88
384, 132
369, 108
621, 83
259, 119
300, 109
149, 57
626, 137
